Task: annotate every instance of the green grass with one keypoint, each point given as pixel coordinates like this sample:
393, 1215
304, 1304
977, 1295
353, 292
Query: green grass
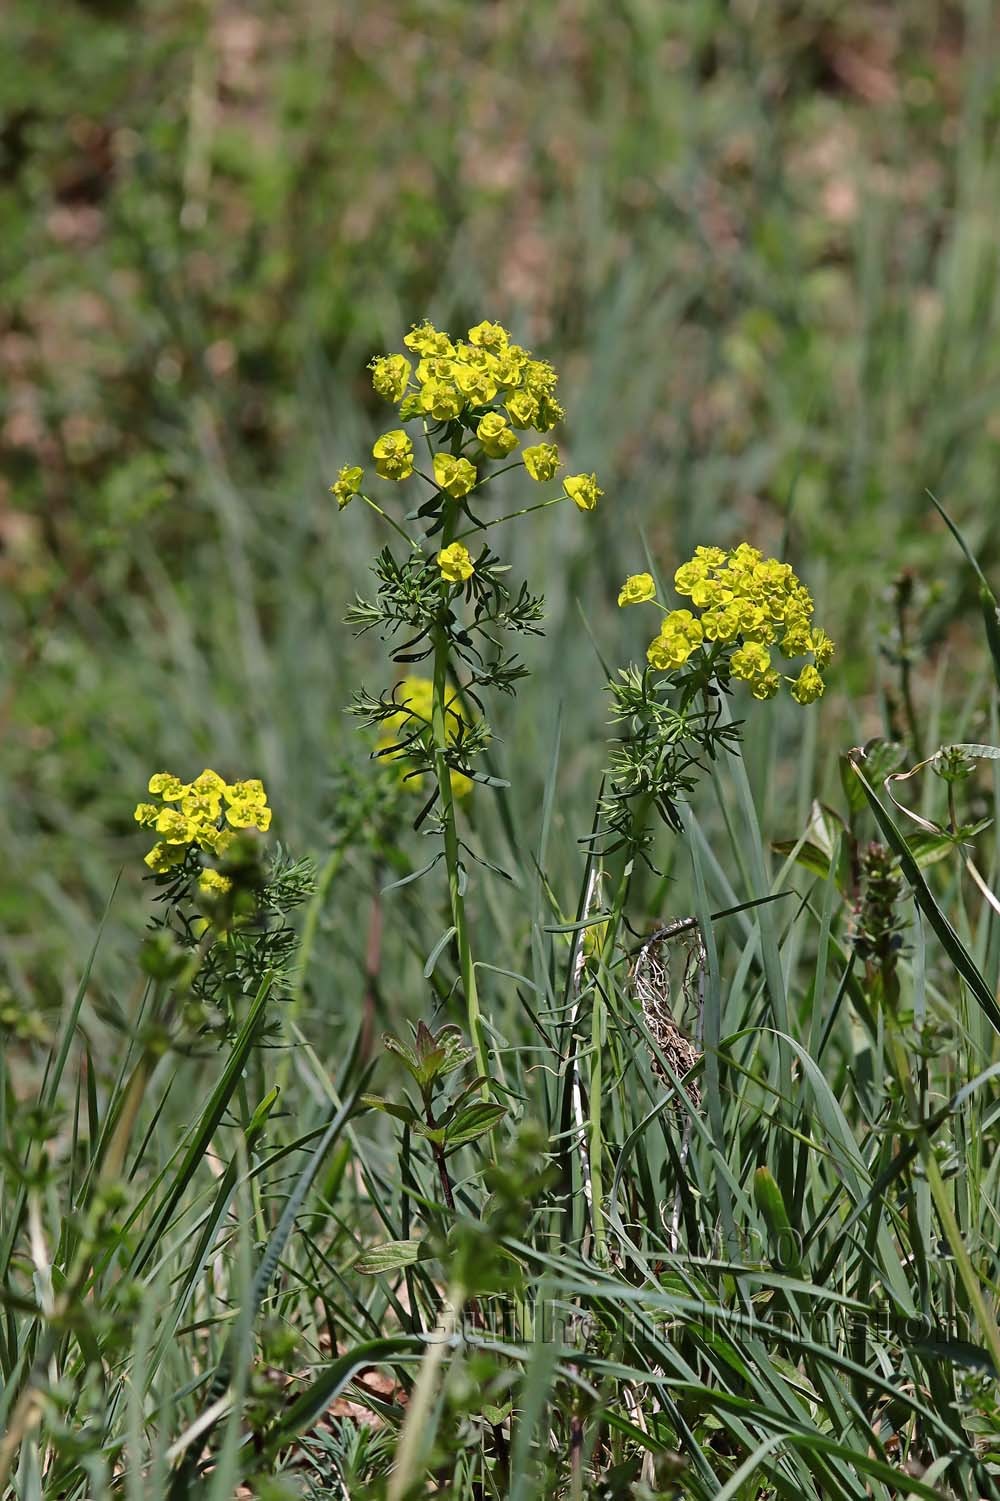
761, 245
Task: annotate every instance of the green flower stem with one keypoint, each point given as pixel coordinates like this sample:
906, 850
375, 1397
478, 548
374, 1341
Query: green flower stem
386, 517
442, 771
542, 505
640, 814
488, 479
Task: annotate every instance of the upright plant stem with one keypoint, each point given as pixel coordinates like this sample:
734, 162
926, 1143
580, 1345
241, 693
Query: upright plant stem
452, 854
446, 797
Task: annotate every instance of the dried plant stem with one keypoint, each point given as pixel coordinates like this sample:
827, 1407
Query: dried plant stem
598, 1023
579, 1114
651, 986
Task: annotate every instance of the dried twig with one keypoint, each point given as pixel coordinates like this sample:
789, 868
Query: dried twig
651, 986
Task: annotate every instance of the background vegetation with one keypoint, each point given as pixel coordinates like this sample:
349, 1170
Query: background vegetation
760, 242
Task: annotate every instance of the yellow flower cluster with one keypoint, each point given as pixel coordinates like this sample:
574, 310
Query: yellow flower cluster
455, 476
495, 435
393, 454
347, 484
541, 461
455, 563
636, 590
746, 602
205, 812
679, 634
444, 376
492, 385
583, 490
415, 695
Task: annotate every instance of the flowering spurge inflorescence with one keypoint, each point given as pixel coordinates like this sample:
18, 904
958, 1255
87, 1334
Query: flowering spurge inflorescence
204, 815
464, 409
469, 402
746, 605
222, 896
476, 394
745, 608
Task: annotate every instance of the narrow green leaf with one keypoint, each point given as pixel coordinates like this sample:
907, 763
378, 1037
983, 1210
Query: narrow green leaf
478, 1120
784, 1241
808, 855
388, 1107
391, 1255
987, 599
437, 950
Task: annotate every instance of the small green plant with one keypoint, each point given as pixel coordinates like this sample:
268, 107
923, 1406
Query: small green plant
444, 1123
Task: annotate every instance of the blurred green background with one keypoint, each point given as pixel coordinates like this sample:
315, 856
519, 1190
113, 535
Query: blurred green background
758, 240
